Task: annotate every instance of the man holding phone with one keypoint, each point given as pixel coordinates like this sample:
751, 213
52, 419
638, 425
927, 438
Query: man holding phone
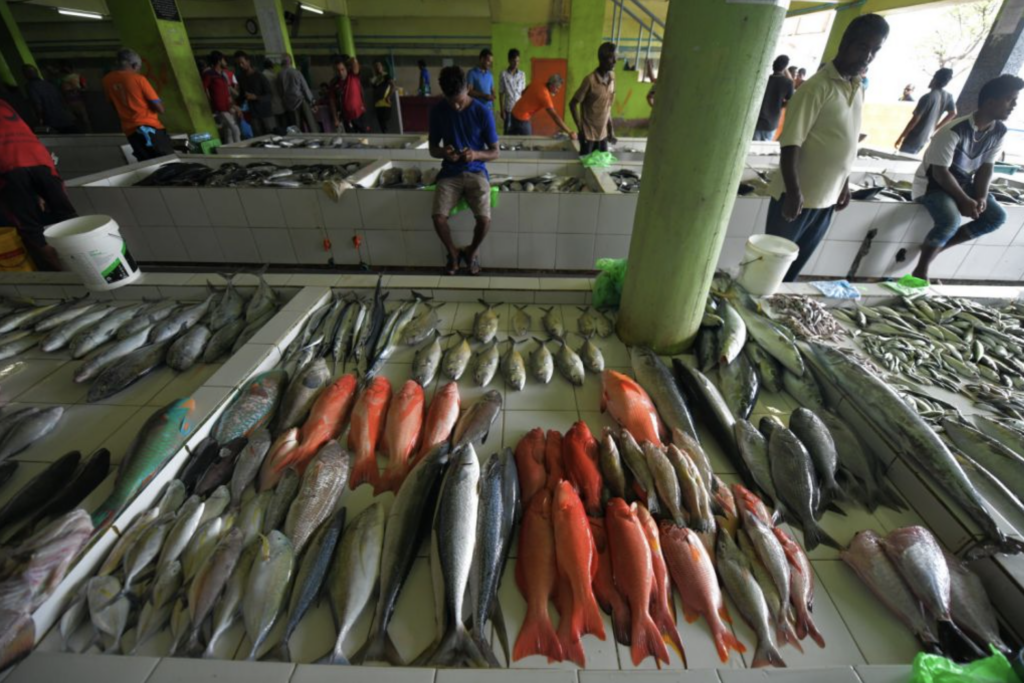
463, 136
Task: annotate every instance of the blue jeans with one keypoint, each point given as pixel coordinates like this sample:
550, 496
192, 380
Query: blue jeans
947, 218
517, 127
764, 135
807, 230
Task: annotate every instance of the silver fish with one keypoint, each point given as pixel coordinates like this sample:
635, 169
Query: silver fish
127, 539
188, 348
813, 433
422, 326
513, 369
222, 341
542, 365
228, 308
427, 361
486, 363
229, 608
475, 423
666, 481
248, 463
636, 461
252, 515
552, 322
102, 331
29, 430
793, 475
656, 379
203, 543
180, 321
215, 505
593, 360
58, 314
569, 364
25, 318
145, 551
456, 359
694, 492
185, 524
210, 580
521, 321
754, 450
269, 580
281, 501
804, 389
147, 319
585, 323
108, 608
737, 576
733, 334
301, 394
264, 300
23, 343
971, 607
97, 362
611, 464
485, 323
126, 371
322, 484
602, 324
353, 577
773, 339
61, 336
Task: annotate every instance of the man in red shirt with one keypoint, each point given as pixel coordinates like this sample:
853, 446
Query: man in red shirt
346, 96
218, 83
32, 195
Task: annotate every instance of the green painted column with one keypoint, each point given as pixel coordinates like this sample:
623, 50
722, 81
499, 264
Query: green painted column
346, 42
168, 63
270, 17
586, 28
845, 14
14, 52
714, 68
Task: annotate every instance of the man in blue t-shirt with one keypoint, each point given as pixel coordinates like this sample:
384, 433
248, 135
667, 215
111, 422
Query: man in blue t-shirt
463, 136
481, 80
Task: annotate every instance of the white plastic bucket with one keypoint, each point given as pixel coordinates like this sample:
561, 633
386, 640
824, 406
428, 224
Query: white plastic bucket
765, 262
92, 246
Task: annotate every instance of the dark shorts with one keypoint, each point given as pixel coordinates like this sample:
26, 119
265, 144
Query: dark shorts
517, 127
806, 230
474, 187
159, 145
588, 146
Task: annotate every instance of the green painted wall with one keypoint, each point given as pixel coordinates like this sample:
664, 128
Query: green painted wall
630, 94
586, 28
505, 36
169, 64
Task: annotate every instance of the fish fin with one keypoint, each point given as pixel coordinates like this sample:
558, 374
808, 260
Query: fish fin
621, 623
646, 642
379, 648
814, 535
766, 654
689, 615
813, 632
724, 640
498, 620
537, 637
832, 507
364, 472
592, 621
888, 497
572, 650
20, 646
487, 652
336, 658
458, 647
723, 614
956, 642
784, 634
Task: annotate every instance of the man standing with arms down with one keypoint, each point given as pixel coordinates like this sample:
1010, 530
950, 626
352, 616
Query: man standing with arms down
257, 91
513, 83
219, 91
591, 106
463, 136
296, 96
819, 143
776, 94
925, 120
480, 79
138, 106
954, 176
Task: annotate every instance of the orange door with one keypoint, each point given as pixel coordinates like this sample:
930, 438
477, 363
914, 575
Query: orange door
542, 69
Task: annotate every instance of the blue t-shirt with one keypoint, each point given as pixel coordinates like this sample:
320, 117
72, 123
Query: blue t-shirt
478, 79
472, 128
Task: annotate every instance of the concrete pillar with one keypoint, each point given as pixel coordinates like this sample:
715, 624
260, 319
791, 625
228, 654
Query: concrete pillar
1002, 53
346, 42
14, 52
168, 63
714, 68
276, 41
586, 28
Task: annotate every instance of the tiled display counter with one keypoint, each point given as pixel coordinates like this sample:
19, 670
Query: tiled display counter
79, 155
865, 644
378, 146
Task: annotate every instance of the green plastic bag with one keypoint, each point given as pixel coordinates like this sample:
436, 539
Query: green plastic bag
935, 669
908, 285
463, 204
608, 285
598, 159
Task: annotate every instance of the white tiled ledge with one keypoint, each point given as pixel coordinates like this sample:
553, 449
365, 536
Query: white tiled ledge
45, 667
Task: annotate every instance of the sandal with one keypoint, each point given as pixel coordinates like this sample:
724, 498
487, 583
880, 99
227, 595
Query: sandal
450, 266
474, 266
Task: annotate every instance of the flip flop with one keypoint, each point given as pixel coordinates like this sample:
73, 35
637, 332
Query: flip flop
474, 266
450, 266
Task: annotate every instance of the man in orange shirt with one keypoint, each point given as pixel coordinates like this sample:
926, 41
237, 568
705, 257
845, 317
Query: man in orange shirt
535, 98
137, 106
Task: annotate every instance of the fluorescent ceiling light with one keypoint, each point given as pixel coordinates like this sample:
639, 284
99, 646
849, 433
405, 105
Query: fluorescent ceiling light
310, 8
79, 13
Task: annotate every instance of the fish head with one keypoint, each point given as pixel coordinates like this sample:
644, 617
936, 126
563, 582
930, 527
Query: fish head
179, 413
582, 431
864, 543
617, 508
566, 497
411, 391
649, 525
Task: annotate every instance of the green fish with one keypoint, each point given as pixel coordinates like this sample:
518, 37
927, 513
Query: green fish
163, 435
252, 408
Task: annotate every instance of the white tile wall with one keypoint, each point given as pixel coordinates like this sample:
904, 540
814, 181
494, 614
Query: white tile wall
387, 247
262, 208
342, 247
853, 223
732, 252
505, 216
301, 207
275, 245
992, 263
309, 246
500, 250
79, 197
574, 252
343, 213
186, 207
615, 213
110, 201
148, 207
380, 209
538, 213
237, 245
224, 207
201, 244
536, 251
611, 246
165, 244
577, 213
893, 220
747, 216
415, 210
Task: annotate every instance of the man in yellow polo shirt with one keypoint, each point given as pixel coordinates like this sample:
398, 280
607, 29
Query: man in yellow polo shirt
819, 143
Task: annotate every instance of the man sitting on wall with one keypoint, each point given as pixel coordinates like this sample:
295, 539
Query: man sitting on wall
465, 128
954, 177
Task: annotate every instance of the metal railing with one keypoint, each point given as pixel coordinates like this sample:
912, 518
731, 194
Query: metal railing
647, 24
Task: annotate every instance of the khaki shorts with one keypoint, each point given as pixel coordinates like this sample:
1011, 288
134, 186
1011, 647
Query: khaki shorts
473, 186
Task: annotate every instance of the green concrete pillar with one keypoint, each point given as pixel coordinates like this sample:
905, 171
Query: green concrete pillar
845, 14
168, 63
714, 67
586, 28
1002, 53
276, 41
346, 42
14, 52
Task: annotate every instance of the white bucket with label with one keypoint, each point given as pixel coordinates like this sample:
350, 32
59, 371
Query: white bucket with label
765, 262
92, 246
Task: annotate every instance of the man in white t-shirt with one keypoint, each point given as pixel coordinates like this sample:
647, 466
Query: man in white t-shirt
953, 179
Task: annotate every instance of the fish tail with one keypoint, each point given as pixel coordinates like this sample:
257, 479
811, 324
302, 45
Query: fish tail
364, 472
724, 640
646, 641
338, 658
591, 617
668, 629
621, 626
814, 536
784, 634
537, 637
888, 497
766, 655
955, 640
813, 632
456, 648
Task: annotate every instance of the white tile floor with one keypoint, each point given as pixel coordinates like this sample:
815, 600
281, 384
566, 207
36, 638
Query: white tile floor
857, 628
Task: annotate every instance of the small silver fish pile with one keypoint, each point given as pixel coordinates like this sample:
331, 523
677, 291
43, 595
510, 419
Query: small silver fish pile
928, 589
547, 182
807, 318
